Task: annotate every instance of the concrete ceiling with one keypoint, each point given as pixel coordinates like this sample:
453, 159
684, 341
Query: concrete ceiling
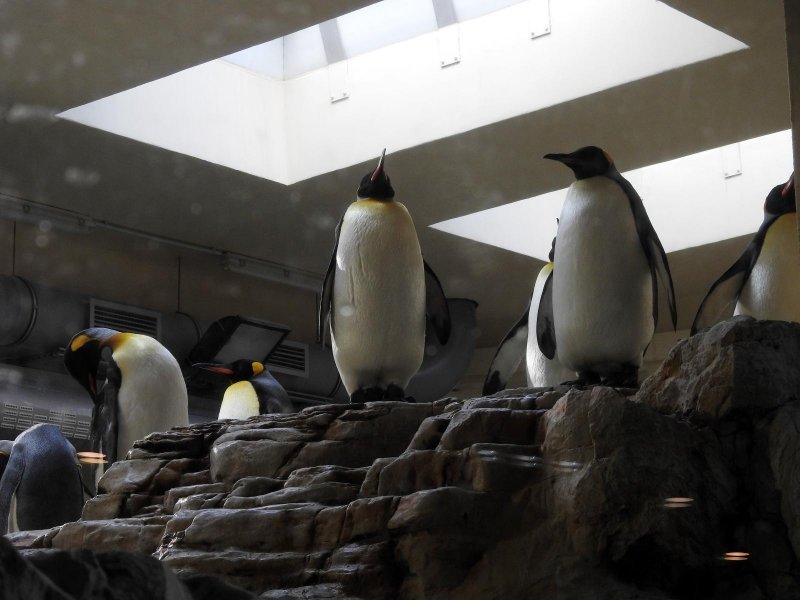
57, 54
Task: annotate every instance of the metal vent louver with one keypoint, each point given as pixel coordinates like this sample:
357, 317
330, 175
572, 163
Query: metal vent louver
290, 358
20, 418
124, 318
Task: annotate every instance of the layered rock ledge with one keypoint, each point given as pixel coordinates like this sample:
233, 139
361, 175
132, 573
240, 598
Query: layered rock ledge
551, 493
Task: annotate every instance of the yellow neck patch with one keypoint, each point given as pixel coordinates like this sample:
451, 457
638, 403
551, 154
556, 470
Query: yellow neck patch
79, 342
258, 368
116, 340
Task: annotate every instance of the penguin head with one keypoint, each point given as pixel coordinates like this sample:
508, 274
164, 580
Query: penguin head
238, 370
375, 184
589, 161
83, 354
780, 199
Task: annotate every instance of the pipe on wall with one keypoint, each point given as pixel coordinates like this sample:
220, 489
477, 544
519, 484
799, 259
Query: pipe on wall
37, 322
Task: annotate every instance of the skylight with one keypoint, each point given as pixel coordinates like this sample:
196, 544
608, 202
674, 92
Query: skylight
698, 199
397, 74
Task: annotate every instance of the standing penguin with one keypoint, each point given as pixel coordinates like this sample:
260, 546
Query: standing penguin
540, 371
605, 289
765, 280
376, 291
254, 390
144, 389
41, 486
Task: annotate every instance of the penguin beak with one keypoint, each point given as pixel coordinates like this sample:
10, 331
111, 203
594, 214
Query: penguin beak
379, 169
567, 159
789, 187
214, 368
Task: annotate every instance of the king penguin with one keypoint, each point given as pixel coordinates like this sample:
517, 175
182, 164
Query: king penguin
764, 282
605, 287
41, 486
144, 389
521, 339
377, 292
254, 390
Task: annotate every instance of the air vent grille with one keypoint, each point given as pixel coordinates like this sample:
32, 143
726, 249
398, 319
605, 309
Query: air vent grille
125, 318
21, 418
290, 358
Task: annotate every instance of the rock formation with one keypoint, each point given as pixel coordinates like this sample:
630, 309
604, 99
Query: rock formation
532, 493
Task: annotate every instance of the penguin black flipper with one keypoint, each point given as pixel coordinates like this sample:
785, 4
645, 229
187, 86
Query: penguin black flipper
8, 487
105, 423
508, 356
720, 301
653, 250
436, 309
272, 396
326, 296
545, 328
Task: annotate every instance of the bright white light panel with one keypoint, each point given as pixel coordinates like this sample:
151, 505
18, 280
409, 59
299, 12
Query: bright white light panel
239, 111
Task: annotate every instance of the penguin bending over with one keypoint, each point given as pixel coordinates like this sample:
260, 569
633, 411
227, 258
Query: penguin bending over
254, 390
764, 282
521, 339
144, 389
605, 289
376, 291
41, 486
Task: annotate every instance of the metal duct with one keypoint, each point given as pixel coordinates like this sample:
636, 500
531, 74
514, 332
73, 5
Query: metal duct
443, 366
37, 322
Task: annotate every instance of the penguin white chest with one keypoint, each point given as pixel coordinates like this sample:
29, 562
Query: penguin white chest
152, 395
239, 402
378, 312
772, 290
602, 286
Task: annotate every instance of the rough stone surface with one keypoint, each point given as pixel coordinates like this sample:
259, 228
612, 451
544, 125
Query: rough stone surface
135, 535
531, 493
89, 575
739, 365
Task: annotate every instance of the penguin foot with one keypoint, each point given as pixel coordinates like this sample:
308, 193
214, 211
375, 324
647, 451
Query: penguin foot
627, 377
395, 393
359, 396
370, 394
374, 394
584, 378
